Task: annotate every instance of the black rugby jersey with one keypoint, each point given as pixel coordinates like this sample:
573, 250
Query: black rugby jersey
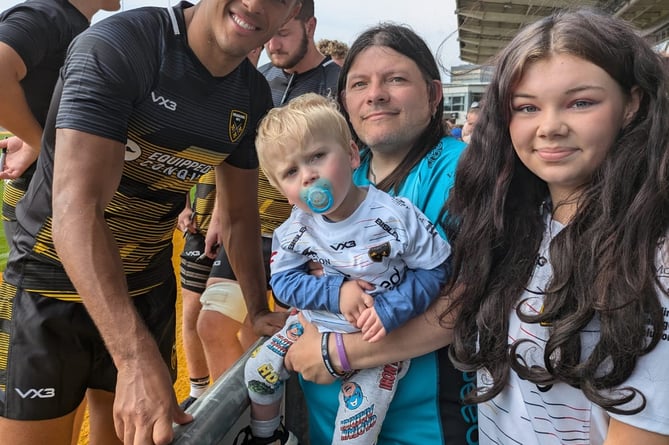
133, 78
40, 32
203, 201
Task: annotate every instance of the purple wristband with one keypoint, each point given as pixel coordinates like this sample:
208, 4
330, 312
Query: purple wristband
346, 366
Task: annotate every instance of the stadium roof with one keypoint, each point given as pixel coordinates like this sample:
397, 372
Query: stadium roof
486, 26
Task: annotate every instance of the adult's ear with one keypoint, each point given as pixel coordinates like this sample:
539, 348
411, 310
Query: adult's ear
310, 26
436, 93
355, 155
632, 105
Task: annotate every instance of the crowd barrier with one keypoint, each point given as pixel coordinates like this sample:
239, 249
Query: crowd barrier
217, 413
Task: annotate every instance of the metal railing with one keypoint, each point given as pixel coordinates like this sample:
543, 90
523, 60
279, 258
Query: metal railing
218, 410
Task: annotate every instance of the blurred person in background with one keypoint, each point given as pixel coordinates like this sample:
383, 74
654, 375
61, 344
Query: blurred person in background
333, 48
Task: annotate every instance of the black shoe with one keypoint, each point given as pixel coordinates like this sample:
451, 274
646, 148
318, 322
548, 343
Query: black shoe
188, 402
281, 434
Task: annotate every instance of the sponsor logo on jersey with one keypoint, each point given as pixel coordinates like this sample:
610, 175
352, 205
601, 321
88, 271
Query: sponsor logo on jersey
238, 120
36, 393
376, 253
163, 101
132, 150
342, 246
388, 228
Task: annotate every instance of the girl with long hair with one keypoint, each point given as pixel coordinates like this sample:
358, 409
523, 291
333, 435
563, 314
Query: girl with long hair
558, 220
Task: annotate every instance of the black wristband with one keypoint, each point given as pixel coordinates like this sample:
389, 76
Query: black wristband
326, 356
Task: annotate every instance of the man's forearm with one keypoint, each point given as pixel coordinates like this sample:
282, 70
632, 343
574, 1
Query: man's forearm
86, 245
97, 273
244, 249
236, 204
18, 118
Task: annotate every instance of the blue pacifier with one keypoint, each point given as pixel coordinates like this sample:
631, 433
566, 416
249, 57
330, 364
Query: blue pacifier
318, 196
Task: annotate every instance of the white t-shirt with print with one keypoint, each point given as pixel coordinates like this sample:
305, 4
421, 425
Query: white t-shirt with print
526, 413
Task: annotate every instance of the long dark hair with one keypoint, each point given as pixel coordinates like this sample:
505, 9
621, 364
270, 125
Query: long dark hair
603, 260
406, 42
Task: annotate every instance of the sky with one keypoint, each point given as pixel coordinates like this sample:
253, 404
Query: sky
433, 20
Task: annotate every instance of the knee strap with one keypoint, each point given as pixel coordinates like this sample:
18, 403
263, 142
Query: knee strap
225, 297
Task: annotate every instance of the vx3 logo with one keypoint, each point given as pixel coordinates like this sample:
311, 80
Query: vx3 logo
40, 393
342, 246
163, 102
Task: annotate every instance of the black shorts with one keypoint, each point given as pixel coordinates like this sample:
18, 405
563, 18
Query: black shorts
53, 351
195, 266
195, 270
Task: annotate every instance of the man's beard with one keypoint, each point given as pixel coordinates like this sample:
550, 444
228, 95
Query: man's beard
298, 56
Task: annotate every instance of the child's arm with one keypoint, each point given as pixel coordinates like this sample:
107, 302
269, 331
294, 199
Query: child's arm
410, 298
301, 289
297, 288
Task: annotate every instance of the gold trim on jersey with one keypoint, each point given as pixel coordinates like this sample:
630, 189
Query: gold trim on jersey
74, 297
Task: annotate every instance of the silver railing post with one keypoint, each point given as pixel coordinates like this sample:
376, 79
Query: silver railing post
217, 410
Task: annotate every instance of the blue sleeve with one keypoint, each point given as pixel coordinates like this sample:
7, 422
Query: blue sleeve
299, 289
412, 296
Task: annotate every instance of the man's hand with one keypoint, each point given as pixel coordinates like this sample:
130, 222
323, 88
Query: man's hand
304, 355
212, 241
19, 157
269, 323
145, 404
186, 221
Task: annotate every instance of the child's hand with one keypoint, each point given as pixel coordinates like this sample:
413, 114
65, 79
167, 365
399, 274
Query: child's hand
353, 299
371, 326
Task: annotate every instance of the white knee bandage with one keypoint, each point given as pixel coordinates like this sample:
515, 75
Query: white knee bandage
225, 297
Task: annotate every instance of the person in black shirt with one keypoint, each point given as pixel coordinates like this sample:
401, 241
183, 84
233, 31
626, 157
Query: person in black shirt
296, 68
34, 36
148, 101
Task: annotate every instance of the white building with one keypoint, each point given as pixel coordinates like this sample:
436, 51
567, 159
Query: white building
468, 82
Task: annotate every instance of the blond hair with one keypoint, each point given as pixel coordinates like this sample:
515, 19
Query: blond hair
291, 127
334, 48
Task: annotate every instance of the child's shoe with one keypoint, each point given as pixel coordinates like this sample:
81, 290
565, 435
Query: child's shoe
280, 437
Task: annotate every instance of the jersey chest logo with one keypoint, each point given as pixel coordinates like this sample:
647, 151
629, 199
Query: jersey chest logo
237, 125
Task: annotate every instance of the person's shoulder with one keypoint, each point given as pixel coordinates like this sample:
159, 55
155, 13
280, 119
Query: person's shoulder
55, 13
42, 6
40, 31
142, 29
332, 71
268, 68
296, 216
151, 16
451, 143
380, 197
142, 22
254, 74
259, 85
448, 149
330, 65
